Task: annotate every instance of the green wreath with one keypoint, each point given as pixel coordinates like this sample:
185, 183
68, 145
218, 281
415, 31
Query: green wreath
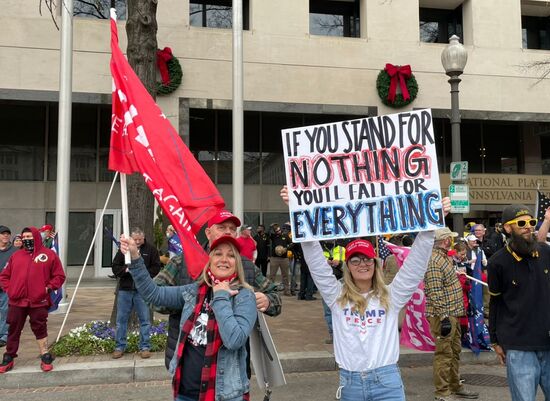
176, 74
383, 87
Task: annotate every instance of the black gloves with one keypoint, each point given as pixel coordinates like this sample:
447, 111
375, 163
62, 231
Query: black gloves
445, 327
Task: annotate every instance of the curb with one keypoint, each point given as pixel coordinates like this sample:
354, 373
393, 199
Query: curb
129, 371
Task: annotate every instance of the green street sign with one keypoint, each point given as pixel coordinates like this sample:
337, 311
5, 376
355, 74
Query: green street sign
460, 198
459, 171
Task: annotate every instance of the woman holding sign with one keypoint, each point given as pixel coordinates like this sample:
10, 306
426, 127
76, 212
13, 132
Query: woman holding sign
365, 313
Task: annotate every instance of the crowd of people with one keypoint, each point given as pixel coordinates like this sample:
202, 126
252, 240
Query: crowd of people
483, 290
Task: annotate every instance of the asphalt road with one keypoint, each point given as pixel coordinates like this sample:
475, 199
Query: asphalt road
301, 386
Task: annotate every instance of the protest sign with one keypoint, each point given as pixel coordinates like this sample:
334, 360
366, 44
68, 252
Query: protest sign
363, 177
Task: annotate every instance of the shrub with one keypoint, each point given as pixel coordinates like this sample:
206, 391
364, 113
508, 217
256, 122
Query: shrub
97, 337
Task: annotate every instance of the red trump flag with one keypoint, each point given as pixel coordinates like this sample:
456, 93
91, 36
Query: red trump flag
144, 141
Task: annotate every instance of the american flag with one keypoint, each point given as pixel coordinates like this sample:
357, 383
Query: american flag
383, 250
56, 295
543, 203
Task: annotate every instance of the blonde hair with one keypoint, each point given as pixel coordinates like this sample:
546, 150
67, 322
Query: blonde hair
352, 294
239, 269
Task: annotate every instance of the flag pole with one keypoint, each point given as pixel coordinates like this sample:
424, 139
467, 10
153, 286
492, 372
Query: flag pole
64, 139
125, 219
238, 119
99, 224
476, 280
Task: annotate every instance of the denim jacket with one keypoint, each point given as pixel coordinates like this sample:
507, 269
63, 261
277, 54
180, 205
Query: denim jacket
235, 315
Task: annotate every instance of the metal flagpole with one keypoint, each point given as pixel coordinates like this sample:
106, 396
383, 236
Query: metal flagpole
238, 147
125, 218
99, 224
64, 139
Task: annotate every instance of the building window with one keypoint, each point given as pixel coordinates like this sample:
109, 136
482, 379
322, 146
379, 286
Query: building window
211, 143
334, 18
437, 25
491, 147
98, 9
81, 232
535, 32
215, 13
22, 141
83, 143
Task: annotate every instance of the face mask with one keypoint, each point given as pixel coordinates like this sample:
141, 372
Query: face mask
28, 244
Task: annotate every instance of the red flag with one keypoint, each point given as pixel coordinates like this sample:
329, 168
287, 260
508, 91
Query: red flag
144, 141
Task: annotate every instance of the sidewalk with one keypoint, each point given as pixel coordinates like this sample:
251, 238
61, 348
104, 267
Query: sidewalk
299, 334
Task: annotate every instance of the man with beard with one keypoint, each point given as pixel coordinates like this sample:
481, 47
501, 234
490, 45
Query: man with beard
519, 317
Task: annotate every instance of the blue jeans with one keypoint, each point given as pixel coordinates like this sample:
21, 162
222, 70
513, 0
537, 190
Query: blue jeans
525, 371
127, 300
381, 384
328, 317
3, 316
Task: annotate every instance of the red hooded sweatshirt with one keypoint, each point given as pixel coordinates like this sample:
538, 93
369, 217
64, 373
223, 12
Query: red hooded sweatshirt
27, 275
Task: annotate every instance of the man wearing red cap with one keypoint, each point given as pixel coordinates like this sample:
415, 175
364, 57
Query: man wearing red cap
175, 273
47, 234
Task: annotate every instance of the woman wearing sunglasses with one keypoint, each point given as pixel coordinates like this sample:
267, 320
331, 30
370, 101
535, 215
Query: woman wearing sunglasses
365, 313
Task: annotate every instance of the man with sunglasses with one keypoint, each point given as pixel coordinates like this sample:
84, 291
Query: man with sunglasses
519, 316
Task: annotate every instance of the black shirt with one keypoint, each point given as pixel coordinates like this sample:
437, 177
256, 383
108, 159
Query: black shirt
192, 360
519, 312
282, 241
262, 246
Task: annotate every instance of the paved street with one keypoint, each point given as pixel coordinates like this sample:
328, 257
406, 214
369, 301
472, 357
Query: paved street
301, 386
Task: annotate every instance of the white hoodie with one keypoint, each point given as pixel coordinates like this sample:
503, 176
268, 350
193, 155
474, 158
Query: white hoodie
372, 340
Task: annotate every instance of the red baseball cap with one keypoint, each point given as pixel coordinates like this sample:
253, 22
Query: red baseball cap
225, 239
360, 246
223, 215
46, 227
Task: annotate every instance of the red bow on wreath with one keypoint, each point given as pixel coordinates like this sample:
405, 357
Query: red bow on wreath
163, 57
402, 73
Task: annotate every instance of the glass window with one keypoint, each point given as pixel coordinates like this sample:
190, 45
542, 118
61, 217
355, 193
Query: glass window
275, 218
252, 151
273, 166
98, 8
215, 13
535, 32
81, 232
545, 152
442, 133
501, 147
334, 18
437, 26
104, 144
83, 143
22, 140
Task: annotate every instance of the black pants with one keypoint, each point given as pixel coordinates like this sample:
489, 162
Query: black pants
306, 282
262, 264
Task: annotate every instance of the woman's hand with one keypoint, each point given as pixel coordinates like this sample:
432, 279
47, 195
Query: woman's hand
224, 286
446, 203
284, 194
129, 245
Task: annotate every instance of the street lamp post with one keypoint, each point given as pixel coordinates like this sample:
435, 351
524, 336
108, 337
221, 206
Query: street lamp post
454, 58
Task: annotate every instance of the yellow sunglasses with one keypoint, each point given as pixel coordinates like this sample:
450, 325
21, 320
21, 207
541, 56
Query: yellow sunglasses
523, 223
